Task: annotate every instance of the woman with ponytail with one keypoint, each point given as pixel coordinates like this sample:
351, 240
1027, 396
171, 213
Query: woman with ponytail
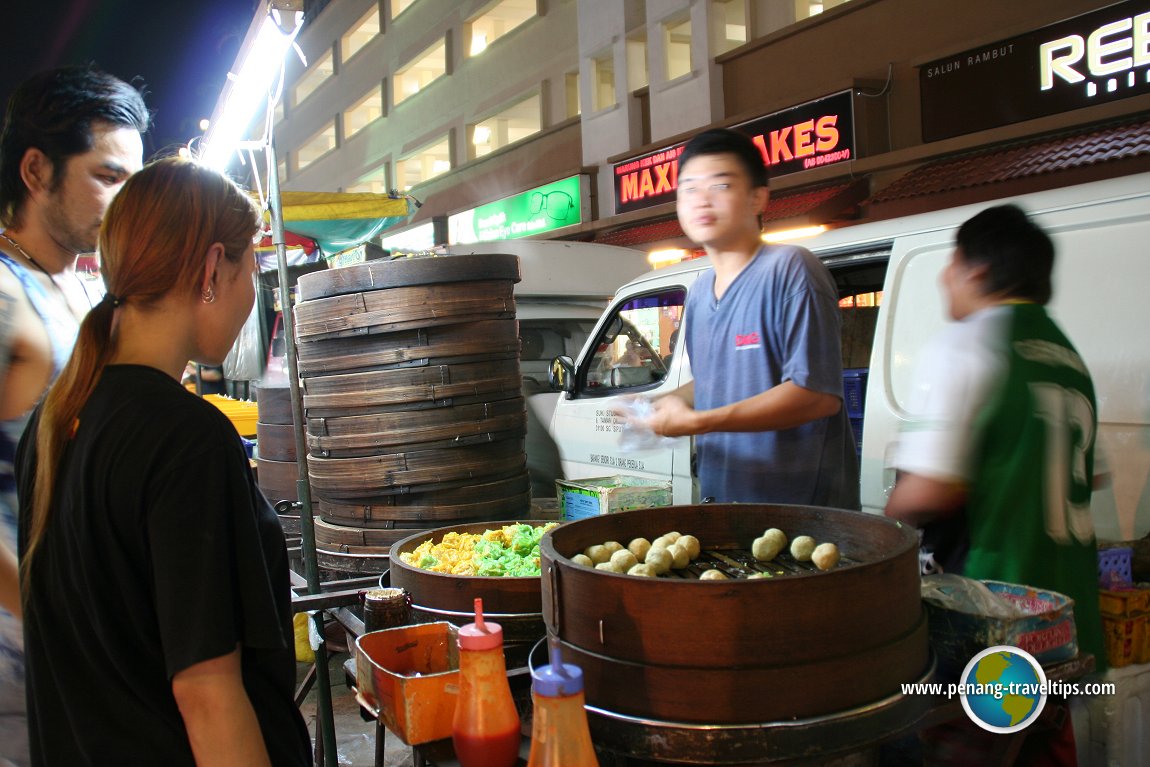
154, 574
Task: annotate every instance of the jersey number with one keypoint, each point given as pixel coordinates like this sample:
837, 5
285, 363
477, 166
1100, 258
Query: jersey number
1069, 420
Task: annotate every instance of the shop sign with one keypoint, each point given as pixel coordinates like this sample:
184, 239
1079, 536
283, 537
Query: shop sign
1090, 59
538, 210
811, 135
414, 240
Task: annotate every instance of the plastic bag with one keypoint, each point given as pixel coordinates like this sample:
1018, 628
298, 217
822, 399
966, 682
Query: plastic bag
245, 361
967, 595
636, 435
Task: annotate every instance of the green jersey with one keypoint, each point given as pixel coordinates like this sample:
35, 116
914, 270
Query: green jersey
1018, 429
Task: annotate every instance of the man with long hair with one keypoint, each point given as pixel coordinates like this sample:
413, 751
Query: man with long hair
71, 137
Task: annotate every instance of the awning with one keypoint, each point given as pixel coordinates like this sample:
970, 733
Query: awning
338, 221
1025, 165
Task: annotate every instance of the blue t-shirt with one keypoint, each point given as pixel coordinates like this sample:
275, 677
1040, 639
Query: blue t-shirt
778, 321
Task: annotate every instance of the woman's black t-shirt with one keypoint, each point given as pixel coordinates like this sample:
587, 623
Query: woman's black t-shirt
160, 553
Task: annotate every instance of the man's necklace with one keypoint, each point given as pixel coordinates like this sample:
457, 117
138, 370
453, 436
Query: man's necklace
35, 263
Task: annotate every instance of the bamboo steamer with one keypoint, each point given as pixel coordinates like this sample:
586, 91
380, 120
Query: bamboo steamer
514, 603
801, 645
276, 467
383, 275
501, 499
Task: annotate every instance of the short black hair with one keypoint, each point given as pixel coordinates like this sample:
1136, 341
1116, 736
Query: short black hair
727, 141
53, 111
1018, 254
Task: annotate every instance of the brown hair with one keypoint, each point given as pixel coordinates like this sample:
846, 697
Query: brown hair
154, 239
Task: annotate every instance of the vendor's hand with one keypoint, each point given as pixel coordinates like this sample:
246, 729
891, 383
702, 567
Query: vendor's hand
672, 417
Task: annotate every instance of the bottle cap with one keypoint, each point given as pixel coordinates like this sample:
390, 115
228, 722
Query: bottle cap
480, 635
559, 679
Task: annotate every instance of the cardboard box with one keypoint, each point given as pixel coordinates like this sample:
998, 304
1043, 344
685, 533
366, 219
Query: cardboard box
583, 498
409, 678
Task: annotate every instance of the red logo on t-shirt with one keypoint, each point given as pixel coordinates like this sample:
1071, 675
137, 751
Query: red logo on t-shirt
746, 340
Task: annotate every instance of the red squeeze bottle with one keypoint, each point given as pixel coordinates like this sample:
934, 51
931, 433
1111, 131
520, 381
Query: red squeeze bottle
485, 731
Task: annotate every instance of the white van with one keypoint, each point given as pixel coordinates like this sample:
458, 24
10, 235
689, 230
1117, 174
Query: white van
887, 273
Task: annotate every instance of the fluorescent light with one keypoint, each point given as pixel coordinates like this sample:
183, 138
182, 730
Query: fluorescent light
657, 258
783, 235
247, 91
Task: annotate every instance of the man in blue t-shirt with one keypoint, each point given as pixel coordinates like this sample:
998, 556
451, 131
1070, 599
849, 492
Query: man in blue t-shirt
762, 333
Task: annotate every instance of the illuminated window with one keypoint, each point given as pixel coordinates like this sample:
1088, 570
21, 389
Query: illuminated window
636, 62
416, 75
497, 21
278, 112
364, 31
862, 301
315, 147
423, 164
507, 127
316, 75
677, 48
571, 84
399, 6
366, 111
374, 182
730, 20
603, 80
804, 9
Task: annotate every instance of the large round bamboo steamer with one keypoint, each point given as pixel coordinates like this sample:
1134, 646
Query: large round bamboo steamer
499, 499
411, 388
388, 311
361, 435
802, 643
401, 273
481, 341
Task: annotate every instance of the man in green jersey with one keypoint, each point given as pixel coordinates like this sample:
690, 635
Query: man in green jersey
996, 465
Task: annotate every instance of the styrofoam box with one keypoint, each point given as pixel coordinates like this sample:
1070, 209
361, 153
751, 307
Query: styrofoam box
1112, 730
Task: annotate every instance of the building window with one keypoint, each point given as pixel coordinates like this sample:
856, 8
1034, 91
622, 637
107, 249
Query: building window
374, 182
804, 9
637, 62
399, 6
497, 21
507, 127
677, 47
364, 31
278, 113
423, 164
603, 81
315, 147
316, 75
366, 111
730, 20
571, 85
424, 68
282, 169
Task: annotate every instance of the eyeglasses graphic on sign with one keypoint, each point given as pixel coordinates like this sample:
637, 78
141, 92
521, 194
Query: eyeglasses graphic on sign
557, 204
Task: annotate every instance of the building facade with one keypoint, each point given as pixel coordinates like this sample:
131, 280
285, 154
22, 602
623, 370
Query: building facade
563, 118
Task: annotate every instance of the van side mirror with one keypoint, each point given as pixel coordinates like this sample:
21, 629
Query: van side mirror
561, 374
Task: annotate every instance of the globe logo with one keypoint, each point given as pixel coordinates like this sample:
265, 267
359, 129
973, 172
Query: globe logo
1003, 689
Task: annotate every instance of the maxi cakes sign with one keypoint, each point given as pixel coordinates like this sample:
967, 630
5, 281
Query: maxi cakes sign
808, 136
1090, 59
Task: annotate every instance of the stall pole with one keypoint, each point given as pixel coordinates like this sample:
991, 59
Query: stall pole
303, 488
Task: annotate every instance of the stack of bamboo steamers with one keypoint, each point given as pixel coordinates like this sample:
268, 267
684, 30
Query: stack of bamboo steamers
413, 401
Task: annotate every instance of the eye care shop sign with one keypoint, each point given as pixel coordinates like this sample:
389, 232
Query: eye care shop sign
1100, 56
548, 207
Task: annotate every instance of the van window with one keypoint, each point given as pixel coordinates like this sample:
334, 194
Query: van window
542, 341
633, 351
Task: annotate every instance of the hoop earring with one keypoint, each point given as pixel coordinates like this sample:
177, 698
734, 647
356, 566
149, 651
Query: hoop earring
207, 295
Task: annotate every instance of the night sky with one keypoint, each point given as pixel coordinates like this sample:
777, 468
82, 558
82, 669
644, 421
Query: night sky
179, 50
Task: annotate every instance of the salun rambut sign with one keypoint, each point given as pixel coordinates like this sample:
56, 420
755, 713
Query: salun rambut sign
811, 135
1099, 56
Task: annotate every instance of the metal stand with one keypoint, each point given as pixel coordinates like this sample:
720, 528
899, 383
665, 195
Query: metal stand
307, 521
